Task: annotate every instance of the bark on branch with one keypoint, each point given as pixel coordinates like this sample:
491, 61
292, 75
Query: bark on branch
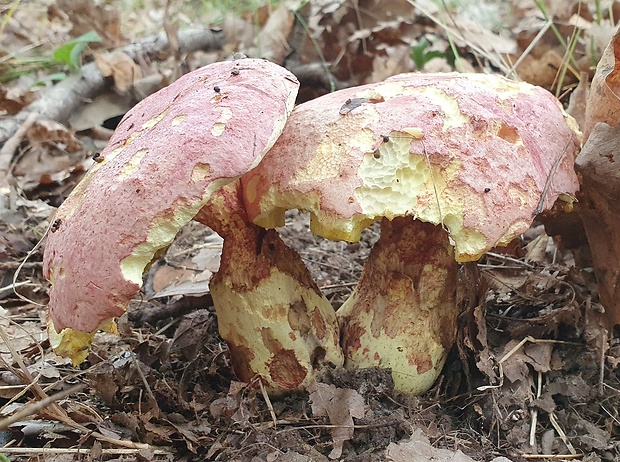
60, 101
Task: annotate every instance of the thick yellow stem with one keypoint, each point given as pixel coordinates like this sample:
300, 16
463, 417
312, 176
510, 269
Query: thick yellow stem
402, 314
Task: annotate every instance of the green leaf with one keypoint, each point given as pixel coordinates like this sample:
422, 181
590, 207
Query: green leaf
55, 77
69, 53
421, 55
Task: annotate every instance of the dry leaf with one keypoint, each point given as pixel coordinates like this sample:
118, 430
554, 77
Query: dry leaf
418, 449
88, 15
49, 131
540, 71
121, 67
578, 101
273, 38
604, 98
598, 164
340, 405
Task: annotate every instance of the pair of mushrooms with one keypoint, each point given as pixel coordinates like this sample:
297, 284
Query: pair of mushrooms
453, 164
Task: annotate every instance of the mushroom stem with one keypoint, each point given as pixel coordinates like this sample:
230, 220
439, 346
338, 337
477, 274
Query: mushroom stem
276, 321
403, 313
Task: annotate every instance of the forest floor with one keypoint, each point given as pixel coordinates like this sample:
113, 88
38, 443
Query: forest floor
534, 374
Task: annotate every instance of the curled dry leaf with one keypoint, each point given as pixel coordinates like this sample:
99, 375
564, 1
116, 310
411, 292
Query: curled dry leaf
119, 66
604, 98
340, 405
598, 164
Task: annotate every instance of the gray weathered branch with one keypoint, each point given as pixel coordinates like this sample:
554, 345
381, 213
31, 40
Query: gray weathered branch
63, 99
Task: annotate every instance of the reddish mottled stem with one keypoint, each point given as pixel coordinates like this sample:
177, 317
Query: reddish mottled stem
271, 313
402, 315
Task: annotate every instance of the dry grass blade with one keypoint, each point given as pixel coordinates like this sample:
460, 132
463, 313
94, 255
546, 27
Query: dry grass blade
511, 73
55, 411
493, 56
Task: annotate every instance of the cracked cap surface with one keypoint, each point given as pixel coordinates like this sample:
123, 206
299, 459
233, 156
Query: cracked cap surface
476, 153
165, 159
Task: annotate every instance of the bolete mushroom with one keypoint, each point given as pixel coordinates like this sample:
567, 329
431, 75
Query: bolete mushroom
276, 321
453, 164
161, 166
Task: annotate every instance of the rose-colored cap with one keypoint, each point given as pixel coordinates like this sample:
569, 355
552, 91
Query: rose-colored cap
162, 164
480, 154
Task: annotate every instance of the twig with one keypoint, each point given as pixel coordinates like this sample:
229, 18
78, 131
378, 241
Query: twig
57, 412
552, 456
516, 348
66, 97
13, 286
9, 148
338, 286
37, 406
535, 411
510, 259
601, 377
529, 48
141, 374
558, 429
268, 402
44, 451
21, 265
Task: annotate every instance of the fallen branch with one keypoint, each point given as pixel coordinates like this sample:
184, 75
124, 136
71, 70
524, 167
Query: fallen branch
60, 101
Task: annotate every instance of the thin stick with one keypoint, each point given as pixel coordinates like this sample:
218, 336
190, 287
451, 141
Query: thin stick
338, 286
35, 407
558, 429
13, 286
556, 164
43, 451
268, 402
57, 412
535, 411
529, 48
508, 258
11, 145
141, 374
21, 265
513, 351
601, 376
552, 456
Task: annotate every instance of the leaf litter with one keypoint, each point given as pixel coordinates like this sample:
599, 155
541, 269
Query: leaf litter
535, 372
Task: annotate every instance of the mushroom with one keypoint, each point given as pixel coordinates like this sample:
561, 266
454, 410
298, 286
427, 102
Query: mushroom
161, 166
276, 321
453, 164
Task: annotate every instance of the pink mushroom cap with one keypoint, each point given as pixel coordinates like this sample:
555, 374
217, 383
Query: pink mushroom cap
479, 154
165, 159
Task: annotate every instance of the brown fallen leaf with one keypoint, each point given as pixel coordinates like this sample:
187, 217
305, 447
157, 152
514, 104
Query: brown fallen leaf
340, 405
121, 67
88, 15
600, 211
418, 449
604, 98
